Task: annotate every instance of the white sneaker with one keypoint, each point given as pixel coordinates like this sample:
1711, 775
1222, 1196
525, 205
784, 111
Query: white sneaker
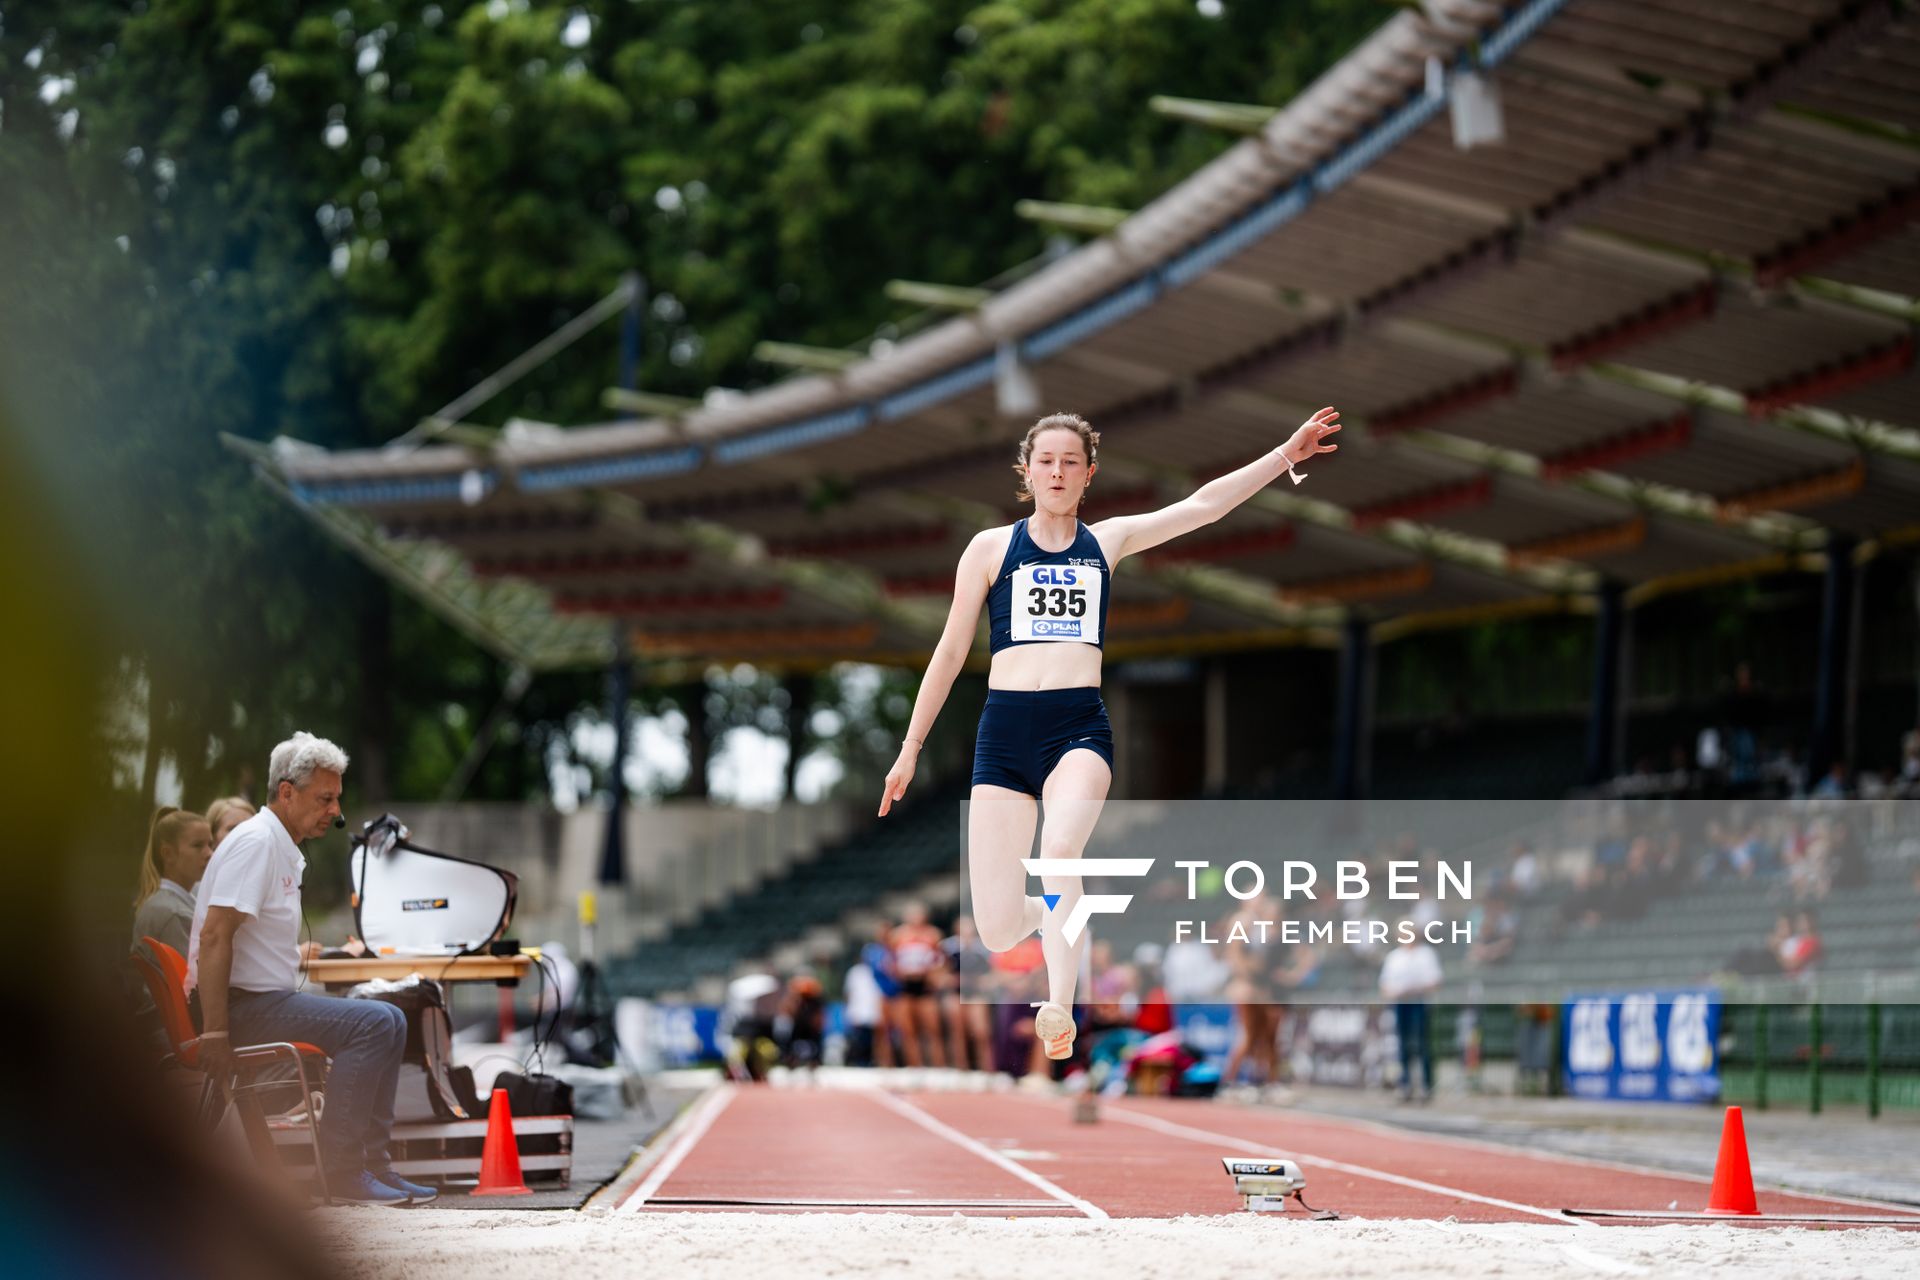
1054, 1026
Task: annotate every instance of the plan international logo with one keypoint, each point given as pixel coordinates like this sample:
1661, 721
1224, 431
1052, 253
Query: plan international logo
1090, 904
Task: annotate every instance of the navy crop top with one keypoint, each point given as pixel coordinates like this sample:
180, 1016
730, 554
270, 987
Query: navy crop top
1043, 596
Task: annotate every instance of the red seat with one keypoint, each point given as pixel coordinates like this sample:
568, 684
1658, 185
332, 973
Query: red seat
165, 973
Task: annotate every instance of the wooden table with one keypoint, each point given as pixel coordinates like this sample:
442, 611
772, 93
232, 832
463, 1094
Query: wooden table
437, 1150
343, 973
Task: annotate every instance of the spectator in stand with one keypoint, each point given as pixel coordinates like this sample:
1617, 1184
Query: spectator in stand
1585, 908
1905, 953
1907, 783
965, 999
865, 1009
1803, 948
178, 845
877, 955
1709, 753
1846, 856
1497, 935
1634, 884
1426, 908
1408, 976
918, 964
226, 813
1194, 971
1809, 862
1741, 851
1670, 869
1611, 851
1834, 785
1743, 713
1526, 876
1155, 1015
1762, 960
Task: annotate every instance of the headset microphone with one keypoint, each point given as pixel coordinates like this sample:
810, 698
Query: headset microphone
339, 821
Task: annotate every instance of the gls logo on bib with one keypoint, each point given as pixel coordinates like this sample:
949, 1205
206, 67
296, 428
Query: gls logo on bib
1057, 602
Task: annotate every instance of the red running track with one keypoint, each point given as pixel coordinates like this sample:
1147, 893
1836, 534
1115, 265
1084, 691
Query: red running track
789, 1150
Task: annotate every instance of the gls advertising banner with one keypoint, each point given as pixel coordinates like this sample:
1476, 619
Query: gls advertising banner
1660, 1046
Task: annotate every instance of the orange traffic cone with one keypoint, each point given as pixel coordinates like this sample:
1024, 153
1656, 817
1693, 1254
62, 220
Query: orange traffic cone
500, 1158
1732, 1176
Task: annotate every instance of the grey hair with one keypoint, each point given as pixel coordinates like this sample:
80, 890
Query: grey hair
296, 759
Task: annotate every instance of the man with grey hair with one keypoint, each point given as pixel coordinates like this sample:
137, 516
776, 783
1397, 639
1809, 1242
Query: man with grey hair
243, 970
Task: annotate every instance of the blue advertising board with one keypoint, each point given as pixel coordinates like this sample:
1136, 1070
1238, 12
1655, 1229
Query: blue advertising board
1207, 1029
685, 1035
1648, 1046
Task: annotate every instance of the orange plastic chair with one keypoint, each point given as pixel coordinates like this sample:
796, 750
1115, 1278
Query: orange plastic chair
165, 973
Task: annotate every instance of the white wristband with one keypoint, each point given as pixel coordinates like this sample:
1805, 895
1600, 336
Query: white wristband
213, 1035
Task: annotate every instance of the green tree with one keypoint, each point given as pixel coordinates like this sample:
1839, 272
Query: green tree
260, 218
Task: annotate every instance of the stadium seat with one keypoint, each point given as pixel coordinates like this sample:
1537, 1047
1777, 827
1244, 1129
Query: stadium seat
164, 970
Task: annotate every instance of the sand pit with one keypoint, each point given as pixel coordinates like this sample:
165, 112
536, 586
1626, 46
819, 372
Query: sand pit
429, 1245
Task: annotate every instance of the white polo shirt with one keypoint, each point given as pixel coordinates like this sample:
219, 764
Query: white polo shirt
257, 871
1407, 969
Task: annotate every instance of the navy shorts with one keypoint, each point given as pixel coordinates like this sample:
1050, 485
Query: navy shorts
1023, 734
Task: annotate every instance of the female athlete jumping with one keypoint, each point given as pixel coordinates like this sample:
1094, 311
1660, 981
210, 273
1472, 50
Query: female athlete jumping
1044, 732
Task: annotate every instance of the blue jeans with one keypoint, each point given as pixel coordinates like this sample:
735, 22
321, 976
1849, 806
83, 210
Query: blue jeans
1410, 1025
365, 1039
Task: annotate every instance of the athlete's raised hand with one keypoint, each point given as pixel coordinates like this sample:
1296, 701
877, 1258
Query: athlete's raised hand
900, 775
1307, 440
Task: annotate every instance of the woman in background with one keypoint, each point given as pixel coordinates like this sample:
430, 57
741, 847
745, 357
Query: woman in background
178, 846
226, 813
918, 964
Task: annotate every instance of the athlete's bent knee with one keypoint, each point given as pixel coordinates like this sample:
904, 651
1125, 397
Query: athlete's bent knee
1000, 935
1058, 847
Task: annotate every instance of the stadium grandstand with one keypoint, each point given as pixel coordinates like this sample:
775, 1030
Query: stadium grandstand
1617, 299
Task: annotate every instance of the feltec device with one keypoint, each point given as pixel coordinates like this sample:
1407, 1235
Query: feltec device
1268, 1184
414, 901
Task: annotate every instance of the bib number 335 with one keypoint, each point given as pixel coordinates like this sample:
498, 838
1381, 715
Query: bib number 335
1057, 602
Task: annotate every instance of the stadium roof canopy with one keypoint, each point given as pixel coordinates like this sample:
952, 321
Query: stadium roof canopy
1656, 332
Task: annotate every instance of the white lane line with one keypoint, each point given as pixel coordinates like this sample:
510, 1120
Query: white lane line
1360, 1171
1596, 1162
871, 1202
901, 1106
676, 1146
1060, 1212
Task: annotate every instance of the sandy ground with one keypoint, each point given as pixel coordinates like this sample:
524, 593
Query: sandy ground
714, 1246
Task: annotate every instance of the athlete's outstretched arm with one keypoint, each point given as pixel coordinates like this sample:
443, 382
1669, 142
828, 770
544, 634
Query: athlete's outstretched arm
1123, 536
970, 583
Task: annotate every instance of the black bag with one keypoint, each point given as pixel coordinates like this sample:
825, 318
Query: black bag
449, 1090
537, 1094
